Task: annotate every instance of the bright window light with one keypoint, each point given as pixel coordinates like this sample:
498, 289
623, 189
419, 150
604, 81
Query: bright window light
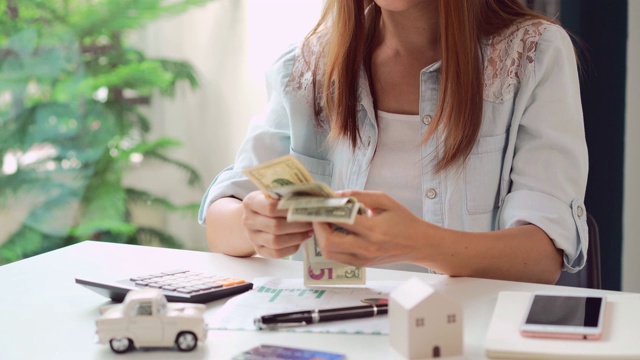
272, 26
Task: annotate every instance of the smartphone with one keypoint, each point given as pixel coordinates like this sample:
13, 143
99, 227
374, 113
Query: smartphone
564, 316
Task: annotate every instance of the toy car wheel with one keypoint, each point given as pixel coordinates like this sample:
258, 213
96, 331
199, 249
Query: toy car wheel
120, 344
186, 341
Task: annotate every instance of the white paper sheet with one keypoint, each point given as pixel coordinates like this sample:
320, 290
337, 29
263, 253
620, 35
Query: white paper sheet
274, 295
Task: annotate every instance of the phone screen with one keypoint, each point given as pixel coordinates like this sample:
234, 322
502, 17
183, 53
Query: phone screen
564, 310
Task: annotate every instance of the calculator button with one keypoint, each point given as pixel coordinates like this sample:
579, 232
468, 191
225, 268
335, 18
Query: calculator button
187, 290
173, 272
142, 277
230, 282
212, 285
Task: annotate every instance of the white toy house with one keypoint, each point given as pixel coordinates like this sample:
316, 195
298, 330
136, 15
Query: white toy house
424, 323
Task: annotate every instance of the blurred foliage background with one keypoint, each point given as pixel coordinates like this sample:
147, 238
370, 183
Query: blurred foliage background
72, 122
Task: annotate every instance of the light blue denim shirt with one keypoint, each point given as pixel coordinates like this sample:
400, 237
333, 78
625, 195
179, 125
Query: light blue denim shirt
529, 164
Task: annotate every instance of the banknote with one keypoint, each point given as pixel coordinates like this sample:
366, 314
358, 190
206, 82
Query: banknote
337, 275
334, 214
298, 190
320, 271
278, 173
313, 258
285, 178
305, 201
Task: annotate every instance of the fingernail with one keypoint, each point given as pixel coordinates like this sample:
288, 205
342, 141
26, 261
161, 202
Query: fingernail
310, 233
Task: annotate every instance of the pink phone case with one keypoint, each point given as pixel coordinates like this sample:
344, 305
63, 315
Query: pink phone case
554, 335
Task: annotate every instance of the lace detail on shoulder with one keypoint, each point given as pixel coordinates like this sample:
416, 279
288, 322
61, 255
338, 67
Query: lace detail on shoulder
510, 56
308, 57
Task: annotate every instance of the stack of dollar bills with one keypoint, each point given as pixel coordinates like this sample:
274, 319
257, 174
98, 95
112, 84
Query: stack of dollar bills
286, 179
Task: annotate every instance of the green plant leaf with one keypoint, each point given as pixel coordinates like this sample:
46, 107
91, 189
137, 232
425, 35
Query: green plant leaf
193, 178
70, 84
106, 16
154, 237
181, 71
24, 42
27, 242
142, 77
146, 147
136, 196
89, 228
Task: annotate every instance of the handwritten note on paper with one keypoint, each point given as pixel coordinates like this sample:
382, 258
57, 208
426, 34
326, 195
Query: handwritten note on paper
274, 295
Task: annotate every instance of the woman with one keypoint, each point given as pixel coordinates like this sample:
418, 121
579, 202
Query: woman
457, 122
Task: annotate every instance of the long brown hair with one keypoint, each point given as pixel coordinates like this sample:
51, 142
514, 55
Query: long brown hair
351, 31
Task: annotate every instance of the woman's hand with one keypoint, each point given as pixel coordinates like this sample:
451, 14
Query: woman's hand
391, 233
267, 227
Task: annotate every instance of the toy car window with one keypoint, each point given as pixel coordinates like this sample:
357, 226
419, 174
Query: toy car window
144, 309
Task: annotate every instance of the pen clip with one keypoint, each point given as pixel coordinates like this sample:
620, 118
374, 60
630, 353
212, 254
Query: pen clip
262, 326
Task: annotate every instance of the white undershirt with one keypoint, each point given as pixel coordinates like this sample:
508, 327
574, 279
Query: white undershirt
395, 168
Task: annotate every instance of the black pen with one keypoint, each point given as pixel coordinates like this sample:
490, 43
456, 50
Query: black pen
298, 318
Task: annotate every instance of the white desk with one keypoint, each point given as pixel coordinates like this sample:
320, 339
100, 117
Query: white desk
44, 314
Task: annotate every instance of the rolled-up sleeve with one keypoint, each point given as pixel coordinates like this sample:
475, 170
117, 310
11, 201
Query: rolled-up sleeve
268, 137
548, 174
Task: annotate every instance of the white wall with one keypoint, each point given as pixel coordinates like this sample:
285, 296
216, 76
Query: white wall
231, 43
631, 219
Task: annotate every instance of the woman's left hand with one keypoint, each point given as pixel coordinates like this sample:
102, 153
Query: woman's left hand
390, 233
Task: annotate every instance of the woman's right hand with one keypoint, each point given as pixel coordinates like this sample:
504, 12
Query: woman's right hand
267, 227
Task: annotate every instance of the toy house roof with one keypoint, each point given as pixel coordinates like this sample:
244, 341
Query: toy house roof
412, 292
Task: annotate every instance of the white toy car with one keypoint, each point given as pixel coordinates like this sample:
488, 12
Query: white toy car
146, 319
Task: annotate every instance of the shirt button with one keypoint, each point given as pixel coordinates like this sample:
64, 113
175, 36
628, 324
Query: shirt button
580, 211
431, 193
426, 119
368, 141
